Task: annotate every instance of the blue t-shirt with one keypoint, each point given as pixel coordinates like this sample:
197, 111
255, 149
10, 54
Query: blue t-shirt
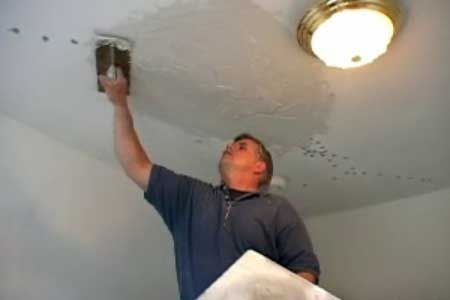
210, 232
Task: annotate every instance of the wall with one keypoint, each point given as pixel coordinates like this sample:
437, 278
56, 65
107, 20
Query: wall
72, 227
398, 250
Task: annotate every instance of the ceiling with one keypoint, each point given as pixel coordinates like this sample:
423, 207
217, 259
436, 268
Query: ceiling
204, 71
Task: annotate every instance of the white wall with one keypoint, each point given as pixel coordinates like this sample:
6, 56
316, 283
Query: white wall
72, 227
398, 250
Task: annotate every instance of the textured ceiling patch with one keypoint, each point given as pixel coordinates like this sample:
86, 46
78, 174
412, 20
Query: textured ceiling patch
223, 67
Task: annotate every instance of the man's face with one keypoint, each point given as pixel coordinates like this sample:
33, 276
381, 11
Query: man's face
242, 155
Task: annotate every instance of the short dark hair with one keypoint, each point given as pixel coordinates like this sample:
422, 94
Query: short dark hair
264, 155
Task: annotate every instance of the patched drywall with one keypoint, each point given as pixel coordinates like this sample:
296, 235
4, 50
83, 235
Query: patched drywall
217, 68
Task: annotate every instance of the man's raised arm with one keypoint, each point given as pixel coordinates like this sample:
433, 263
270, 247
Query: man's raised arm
127, 146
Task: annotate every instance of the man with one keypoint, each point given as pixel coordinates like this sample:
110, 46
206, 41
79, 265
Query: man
212, 226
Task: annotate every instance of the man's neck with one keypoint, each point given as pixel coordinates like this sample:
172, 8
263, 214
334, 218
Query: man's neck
242, 185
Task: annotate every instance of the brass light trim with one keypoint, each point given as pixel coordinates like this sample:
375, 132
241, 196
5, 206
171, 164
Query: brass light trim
326, 8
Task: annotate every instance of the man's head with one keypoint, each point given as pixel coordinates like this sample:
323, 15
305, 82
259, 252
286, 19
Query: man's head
247, 157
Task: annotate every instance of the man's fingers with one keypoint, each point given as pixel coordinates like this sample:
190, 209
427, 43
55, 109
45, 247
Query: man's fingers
103, 80
106, 81
119, 73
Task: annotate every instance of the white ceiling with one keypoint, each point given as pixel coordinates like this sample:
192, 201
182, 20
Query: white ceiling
204, 71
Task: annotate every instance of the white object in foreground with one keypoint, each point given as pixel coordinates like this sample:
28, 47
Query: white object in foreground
255, 277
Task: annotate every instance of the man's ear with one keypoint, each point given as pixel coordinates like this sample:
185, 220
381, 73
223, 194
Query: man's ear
260, 167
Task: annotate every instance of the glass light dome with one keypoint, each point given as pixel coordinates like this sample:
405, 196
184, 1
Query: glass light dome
348, 34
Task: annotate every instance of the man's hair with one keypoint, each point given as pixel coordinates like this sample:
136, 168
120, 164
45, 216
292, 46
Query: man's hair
264, 155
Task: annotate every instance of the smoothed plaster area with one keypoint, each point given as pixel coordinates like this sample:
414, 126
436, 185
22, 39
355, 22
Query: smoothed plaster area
220, 67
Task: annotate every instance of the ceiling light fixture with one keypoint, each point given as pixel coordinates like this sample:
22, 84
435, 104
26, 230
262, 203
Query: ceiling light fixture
349, 33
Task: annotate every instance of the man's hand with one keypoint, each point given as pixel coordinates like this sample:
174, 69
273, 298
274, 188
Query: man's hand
308, 276
116, 90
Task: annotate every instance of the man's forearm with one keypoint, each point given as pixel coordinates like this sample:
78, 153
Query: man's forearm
128, 148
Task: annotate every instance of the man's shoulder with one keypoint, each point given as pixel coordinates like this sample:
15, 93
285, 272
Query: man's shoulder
272, 204
165, 177
282, 205
275, 199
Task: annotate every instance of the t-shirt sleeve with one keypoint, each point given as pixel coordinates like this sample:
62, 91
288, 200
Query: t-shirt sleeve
293, 242
171, 194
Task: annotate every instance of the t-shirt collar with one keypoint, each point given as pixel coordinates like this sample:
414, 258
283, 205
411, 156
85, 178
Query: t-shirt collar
226, 190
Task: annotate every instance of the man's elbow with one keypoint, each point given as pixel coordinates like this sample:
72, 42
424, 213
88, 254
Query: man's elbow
140, 173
